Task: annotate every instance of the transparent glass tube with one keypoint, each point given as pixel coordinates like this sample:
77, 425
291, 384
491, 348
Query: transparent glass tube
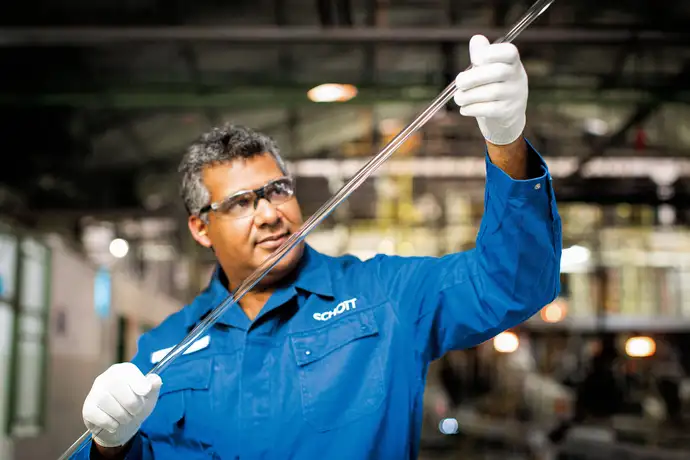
367, 170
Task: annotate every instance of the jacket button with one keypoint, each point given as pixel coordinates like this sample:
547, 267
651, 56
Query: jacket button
307, 352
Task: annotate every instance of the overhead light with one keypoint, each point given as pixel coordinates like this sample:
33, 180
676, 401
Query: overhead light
332, 92
448, 426
119, 248
554, 312
640, 347
387, 246
596, 126
574, 258
506, 342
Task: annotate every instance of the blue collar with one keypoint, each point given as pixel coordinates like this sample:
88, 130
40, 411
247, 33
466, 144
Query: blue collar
311, 275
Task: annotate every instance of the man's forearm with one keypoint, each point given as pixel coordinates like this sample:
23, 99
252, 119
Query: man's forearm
511, 158
110, 453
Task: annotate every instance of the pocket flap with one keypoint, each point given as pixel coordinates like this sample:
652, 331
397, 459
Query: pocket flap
165, 423
314, 345
194, 374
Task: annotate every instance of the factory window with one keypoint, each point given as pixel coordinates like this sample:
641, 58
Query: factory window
29, 339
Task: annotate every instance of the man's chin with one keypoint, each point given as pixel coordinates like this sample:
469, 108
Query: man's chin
264, 252
285, 265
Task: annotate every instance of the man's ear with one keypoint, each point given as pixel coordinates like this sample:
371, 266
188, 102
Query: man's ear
199, 230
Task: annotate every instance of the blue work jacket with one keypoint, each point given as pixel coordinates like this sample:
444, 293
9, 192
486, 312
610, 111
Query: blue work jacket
334, 366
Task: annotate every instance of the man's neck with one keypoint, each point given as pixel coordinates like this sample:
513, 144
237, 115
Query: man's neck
253, 302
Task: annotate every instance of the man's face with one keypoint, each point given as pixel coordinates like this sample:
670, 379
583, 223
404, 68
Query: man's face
242, 244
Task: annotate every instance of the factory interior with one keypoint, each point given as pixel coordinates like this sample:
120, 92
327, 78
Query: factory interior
100, 100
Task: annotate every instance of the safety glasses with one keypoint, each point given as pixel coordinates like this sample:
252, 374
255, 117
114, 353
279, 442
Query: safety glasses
244, 203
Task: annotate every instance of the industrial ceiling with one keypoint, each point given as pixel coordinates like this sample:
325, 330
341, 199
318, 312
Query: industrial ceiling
99, 99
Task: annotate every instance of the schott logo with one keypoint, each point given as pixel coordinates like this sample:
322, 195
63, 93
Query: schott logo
341, 308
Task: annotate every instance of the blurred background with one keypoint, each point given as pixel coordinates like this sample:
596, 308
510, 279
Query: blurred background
98, 101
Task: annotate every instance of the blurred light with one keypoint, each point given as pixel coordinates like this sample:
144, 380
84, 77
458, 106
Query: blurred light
157, 252
406, 248
667, 214
387, 246
506, 342
573, 258
390, 126
428, 206
448, 426
119, 248
363, 254
554, 312
640, 347
332, 92
386, 187
596, 126
654, 408
623, 210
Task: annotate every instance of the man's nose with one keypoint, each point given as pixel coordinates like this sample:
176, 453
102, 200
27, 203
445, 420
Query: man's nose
265, 213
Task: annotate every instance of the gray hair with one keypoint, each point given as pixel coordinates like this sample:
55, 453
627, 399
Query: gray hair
220, 145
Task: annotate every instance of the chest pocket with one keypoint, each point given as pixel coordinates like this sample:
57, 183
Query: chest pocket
340, 370
179, 425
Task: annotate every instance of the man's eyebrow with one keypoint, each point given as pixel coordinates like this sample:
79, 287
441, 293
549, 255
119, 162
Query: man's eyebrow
243, 190
230, 194
249, 189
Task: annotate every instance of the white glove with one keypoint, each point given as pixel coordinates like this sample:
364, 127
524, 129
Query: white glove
494, 90
119, 401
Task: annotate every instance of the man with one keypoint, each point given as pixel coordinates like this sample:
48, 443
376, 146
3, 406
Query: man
327, 357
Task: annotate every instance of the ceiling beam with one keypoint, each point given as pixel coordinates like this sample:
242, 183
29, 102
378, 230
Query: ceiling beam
617, 69
640, 114
474, 167
643, 111
260, 97
191, 60
462, 162
89, 36
170, 80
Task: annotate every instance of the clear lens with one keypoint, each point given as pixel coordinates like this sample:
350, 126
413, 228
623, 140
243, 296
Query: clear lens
238, 205
280, 191
243, 205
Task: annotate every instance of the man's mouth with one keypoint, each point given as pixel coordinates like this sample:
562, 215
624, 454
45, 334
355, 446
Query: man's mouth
274, 241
